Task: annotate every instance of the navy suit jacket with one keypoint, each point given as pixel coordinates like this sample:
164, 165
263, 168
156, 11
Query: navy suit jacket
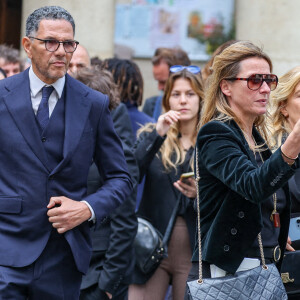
27, 182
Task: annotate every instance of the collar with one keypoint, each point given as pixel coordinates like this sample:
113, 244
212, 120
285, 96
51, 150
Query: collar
37, 84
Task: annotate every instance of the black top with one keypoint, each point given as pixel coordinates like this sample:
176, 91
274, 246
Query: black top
269, 233
294, 185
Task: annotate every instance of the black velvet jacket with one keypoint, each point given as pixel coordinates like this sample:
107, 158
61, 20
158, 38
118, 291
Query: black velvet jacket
232, 189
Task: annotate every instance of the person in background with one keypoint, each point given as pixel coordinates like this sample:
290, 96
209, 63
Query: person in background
243, 187
80, 59
129, 80
2, 74
164, 151
181, 57
96, 61
206, 71
112, 263
10, 60
162, 60
285, 114
57, 127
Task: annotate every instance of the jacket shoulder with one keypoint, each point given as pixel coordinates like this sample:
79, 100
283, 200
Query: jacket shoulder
216, 127
89, 93
10, 83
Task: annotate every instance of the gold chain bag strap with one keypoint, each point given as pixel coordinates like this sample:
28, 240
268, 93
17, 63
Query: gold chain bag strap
260, 283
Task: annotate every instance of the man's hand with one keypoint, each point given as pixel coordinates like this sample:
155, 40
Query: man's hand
65, 213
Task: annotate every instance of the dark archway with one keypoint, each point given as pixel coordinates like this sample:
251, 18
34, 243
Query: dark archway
10, 22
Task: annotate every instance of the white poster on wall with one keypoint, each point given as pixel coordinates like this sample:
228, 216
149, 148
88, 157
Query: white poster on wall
196, 26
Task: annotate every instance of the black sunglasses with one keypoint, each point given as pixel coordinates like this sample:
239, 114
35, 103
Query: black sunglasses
52, 45
255, 81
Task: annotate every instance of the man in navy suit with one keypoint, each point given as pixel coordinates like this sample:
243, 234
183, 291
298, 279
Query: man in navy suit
52, 128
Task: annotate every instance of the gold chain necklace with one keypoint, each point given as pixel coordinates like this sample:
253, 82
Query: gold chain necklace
275, 218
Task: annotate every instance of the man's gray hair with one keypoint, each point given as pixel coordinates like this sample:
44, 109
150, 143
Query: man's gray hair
47, 13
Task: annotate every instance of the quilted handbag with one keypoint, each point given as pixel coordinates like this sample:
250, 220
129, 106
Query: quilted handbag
255, 284
260, 283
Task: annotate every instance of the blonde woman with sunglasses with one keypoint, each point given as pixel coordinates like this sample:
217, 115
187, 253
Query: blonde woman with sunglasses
285, 102
242, 187
164, 152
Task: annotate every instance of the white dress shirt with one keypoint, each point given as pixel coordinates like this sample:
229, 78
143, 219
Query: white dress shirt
36, 86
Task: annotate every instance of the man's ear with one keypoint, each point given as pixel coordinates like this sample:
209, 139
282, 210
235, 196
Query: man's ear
284, 111
26, 42
225, 87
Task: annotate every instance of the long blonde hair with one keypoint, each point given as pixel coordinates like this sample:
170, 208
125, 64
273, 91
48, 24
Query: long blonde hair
279, 98
227, 65
172, 153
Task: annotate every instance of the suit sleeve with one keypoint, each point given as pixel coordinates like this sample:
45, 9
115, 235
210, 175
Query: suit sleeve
119, 263
111, 163
122, 125
148, 107
220, 152
119, 257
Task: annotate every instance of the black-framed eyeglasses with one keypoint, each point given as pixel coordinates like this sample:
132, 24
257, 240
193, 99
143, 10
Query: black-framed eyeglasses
52, 45
191, 69
255, 81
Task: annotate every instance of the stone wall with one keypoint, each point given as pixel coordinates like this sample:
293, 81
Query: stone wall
272, 24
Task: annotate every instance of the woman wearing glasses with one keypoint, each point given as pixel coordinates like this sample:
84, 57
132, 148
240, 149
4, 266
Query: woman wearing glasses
242, 187
164, 151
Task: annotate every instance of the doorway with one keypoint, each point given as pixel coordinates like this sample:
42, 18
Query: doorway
10, 22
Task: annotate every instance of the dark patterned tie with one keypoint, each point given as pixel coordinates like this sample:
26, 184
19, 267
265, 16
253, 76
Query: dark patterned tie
42, 114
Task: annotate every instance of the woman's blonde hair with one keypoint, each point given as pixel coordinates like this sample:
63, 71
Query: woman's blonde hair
227, 65
172, 153
286, 87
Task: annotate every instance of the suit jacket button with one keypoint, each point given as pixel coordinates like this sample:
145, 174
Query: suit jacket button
44, 139
226, 248
233, 231
241, 214
51, 177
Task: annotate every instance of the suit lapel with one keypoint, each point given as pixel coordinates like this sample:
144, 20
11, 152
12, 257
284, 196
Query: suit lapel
19, 105
76, 113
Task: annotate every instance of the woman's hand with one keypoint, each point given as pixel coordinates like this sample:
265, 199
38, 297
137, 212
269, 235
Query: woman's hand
187, 189
291, 147
165, 121
289, 245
